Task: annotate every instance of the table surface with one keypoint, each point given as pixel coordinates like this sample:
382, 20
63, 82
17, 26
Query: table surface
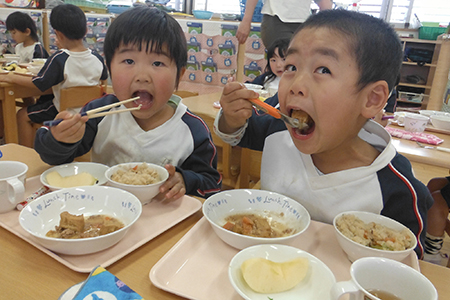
203, 104
8, 94
32, 274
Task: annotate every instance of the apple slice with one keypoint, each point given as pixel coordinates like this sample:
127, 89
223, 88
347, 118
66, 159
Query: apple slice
265, 276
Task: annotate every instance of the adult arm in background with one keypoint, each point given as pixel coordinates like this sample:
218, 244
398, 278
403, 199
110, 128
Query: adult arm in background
324, 4
244, 27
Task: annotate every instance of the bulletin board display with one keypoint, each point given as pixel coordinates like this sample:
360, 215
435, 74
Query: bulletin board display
213, 55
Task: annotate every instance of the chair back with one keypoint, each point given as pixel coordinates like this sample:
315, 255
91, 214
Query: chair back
226, 165
250, 168
78, 96
185, 94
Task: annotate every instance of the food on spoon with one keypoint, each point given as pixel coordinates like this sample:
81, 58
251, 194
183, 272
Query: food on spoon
300, 115
265, 276
138, 175
257, 225
373, 235
82, 179
79, 226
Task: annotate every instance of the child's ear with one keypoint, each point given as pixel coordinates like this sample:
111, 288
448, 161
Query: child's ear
27, 31
182, 72
376, 96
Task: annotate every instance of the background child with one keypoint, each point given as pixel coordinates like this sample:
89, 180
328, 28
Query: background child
146, 54
340, 67
24, 32
275, 65
438, 222
74, 65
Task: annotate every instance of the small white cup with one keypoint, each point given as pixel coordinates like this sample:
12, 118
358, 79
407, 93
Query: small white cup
415, 122
12, 188
387, 275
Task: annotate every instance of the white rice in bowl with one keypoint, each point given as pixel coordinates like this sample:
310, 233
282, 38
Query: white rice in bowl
373, 235
138, 175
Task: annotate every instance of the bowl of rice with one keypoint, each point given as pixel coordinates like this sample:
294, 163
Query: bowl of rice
139, 178
364, 234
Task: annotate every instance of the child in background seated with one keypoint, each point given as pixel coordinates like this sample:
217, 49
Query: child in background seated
275, 66
24, 32
340, 67
146, 54
438, 222
74, 65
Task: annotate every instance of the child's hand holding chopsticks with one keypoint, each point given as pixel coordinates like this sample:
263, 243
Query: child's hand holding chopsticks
71, 129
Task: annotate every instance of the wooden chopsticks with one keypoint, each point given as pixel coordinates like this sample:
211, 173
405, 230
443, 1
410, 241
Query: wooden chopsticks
97, 112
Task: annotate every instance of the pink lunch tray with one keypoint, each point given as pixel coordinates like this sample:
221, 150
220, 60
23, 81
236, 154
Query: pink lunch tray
197, 266
156, 218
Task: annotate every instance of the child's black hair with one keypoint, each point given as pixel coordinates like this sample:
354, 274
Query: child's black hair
282, 45
22, 21
150, 29
373, 42
70, 20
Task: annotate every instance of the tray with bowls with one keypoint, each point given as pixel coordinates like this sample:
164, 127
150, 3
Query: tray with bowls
244, 223
201, 249
156, 217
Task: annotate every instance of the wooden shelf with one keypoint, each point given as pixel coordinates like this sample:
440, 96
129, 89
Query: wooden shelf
437, 73
412, 63
420, 86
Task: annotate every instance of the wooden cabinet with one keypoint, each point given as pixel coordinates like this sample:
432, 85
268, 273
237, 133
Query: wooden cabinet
424, 73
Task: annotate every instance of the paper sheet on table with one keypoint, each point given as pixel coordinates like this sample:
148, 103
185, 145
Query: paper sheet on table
415, 136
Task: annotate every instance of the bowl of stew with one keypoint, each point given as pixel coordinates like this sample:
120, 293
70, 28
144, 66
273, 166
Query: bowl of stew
80, 220
246, 217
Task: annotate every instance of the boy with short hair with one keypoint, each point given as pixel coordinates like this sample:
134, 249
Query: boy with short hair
340, 67
146, 54
74, 65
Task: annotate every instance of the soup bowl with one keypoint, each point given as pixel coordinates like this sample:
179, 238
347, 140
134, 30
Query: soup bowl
276, 208
43, 214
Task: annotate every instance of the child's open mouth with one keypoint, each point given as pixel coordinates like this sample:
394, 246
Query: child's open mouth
303, 117
146, 99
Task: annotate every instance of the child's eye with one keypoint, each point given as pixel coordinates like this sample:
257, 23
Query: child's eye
158, 63
323, 70
128, 61
290, 68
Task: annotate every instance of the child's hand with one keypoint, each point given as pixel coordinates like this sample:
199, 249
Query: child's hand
71, 130
174, 187
236, 107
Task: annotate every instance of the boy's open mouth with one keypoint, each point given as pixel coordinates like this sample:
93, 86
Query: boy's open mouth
146, 99
303, 117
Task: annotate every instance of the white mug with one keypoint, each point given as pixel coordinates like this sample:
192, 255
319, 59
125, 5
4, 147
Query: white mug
12, 184
386, 275
415, 122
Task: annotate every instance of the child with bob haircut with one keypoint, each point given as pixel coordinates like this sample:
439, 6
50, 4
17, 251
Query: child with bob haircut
339, 69
24, 32
275, 65
146, 54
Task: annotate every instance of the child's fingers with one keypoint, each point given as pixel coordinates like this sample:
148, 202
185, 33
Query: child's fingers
71, 129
